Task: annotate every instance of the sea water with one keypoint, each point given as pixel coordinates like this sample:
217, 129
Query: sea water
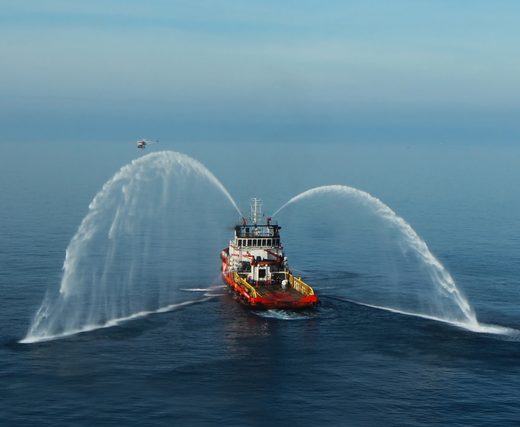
209, 361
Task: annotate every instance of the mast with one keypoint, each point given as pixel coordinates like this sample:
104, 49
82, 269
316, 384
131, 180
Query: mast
256, 209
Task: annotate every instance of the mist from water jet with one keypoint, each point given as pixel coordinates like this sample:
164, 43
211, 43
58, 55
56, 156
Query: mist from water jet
451, 305
138, 245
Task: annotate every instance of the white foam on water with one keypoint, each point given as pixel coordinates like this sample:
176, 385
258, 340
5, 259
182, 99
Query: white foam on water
211, 288
482, 328
282, 314
112, 322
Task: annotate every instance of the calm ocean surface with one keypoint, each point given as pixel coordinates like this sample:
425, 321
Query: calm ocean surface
215, 363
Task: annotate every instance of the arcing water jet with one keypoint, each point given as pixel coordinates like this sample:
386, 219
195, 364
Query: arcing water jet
459, 310
134, 248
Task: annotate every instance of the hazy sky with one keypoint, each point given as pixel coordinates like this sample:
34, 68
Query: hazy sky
413, 70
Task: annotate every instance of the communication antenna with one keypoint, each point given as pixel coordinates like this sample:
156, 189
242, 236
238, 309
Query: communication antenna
256, 209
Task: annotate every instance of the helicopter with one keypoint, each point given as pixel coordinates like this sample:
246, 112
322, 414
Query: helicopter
142, 143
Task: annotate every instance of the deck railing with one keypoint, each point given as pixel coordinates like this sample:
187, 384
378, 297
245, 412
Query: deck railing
244, 283
298, 284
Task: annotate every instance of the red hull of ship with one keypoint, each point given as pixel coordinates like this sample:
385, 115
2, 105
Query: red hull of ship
269, 299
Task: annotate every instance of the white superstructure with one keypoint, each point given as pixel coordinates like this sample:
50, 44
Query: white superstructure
256, 252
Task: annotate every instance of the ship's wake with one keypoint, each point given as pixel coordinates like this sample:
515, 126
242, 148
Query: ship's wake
285, 314
216, 290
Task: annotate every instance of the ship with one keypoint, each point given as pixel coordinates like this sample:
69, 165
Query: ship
255, 267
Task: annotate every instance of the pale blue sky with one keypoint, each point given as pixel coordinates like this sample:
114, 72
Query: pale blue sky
261, 70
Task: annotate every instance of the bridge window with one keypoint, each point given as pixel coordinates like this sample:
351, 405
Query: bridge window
254, 242
248, 242
239, 242
261, 273
269, 242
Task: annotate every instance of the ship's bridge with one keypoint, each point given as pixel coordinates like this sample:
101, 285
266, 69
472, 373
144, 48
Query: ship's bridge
259, 231
257, 235
254, 230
